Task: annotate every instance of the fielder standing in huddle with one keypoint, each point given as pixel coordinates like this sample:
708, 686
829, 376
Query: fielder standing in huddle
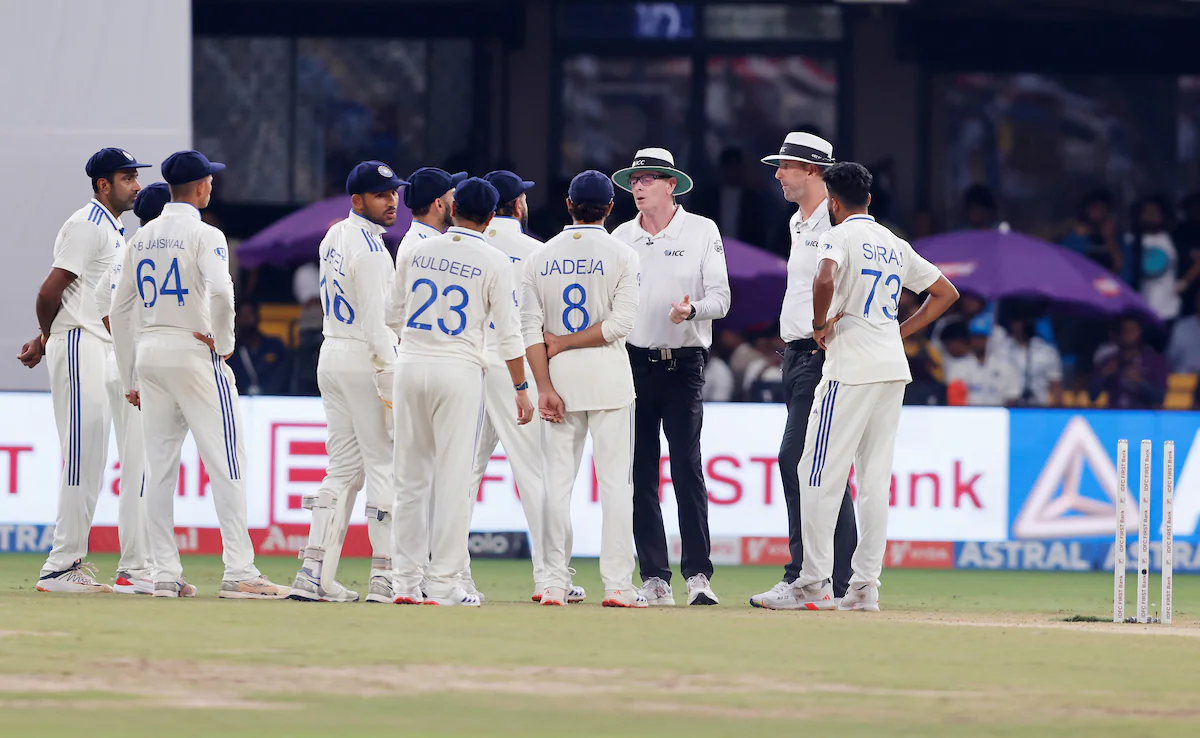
522, 443
685, 287
580, 301
175, 297
856, 300
448, 290
78, 345
354, 373
429, 195
800, 163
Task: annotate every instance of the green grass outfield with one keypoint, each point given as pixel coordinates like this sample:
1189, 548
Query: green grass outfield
954, 653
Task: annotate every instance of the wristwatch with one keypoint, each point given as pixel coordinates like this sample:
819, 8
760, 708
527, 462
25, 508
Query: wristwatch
692, 314
522, 386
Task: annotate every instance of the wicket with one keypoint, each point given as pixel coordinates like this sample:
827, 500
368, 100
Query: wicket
1143, 538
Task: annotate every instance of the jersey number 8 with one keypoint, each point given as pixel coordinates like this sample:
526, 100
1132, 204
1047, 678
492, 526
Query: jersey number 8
146, 283
433, 293
575, 306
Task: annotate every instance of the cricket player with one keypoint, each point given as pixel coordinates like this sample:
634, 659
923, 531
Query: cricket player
447, 291
77, 343
580, 301
429, 195
176, 296
354, 373
856, 299
800, 164
522, 443
135, 568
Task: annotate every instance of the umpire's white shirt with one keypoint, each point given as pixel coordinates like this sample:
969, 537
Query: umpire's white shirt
447, 290
873, 266
796, 317
506, 234
356, 281
174, 279
86, 245
686, 258
581, 277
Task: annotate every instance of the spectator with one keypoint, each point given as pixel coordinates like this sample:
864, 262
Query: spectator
1132, 374
260, 363
1095, 232
1153, 258
988, 377
1187, 242
737, 352
979, 208
1183, 350
739, 208
718, 381
1035, 361
763, 380
924, 360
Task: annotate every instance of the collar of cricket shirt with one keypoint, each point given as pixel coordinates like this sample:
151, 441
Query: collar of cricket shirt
182, 208
112, 219
423, 230
504, 224
673, 230
458, 231
860, 216
818, 212
366, 224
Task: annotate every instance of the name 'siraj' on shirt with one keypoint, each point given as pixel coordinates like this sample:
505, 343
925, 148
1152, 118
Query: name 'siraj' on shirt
573, 266
450, 266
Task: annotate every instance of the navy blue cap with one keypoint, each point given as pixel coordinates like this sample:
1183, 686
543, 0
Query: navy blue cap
188, 166
428, 184
591, 188
372, 176
107, 161
150, 201
509, 185
476, 196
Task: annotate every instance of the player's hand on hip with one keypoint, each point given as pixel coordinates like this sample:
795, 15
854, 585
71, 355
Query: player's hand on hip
682, 310
554, 345
550, 406
32, 352
135, 398
524, 408
212, 346
823, 335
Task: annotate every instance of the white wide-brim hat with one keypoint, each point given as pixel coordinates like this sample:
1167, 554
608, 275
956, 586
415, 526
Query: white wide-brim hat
653, 160
804, 147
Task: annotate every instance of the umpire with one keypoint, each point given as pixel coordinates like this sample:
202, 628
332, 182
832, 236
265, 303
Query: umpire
801, 163
683, 288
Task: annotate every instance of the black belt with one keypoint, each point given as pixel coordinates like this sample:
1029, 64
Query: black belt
803, 344
655, 356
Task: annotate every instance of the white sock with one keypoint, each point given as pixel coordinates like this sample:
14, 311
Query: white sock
314, 567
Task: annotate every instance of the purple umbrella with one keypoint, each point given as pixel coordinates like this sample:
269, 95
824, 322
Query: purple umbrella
757, 280
294, 239
994, 264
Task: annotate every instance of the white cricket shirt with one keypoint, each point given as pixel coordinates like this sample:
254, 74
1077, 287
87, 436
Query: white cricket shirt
796, 317
85, 246
873, 266
416, 233
174, 279
506, 234
355, 286
579, 278
447, 290
686, 258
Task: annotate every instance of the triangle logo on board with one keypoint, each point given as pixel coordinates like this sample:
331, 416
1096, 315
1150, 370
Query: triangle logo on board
1054, 507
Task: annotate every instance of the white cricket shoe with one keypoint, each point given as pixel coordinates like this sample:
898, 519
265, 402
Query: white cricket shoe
700, 591
257, 588
125, 584
178, 588
861, 596
780, 597
576, 594
657, 592
306, 587
817, 596
80, 578
380, 589
459, 597
468, 584
630, 598
554, 596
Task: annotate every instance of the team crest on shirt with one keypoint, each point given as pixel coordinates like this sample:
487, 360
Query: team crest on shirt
385, 172
220, 251
720, 248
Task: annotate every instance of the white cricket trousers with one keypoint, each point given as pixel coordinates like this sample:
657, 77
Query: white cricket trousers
612, 449
438, 410
132, 527
359, 450
523, 447
185, 386
849, 424
76, 361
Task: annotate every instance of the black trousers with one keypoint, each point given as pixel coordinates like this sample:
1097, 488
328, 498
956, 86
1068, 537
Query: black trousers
802, 365
669, 396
